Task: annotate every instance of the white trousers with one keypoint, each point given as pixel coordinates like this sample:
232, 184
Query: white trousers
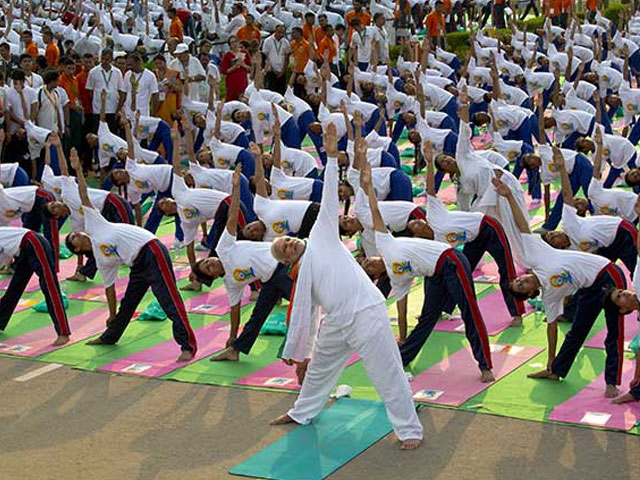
370, 335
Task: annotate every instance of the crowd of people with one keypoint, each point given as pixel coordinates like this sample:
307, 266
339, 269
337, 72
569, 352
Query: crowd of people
129, 98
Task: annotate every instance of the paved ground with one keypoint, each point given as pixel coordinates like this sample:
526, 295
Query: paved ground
80, 425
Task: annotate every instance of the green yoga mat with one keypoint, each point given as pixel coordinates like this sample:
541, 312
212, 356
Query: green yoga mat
312, 452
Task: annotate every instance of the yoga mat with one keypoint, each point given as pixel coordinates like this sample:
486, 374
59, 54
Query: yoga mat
590, 407
96, 293
487, 272
161, 358
278, 375
455, 379
494, 311
38, 342
630, 330
312, 452
25, 304
214, 302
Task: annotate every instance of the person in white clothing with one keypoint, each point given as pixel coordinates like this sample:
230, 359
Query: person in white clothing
356, 319
277, 50
108, 78
191, 71
140, 87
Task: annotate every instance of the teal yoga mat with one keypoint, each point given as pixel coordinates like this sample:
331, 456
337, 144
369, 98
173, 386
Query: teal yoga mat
312, 452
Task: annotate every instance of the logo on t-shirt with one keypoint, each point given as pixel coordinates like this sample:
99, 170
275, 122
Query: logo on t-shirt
243, 274
285, 194
280, 227
608, 210
606, 152
553, 168
567, 126
223, 162
144, 129
513, 154
108, 250
631, 107
141, 184
560, 279
263, 116
455, 237
13, 213
190, 212
588, 245
502, 123
401, 268
398, 104
108, 148
287, 165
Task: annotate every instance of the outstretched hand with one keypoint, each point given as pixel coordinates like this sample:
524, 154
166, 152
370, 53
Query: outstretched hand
75, 160
558, 159
501, 187
330, 140
235, 178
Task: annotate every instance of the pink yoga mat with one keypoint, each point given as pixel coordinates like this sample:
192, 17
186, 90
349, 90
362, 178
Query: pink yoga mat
494, 311
161, 359
630, 330
67, 268
487, 272
214, 302
590, 407
26, 303
96, 293
278, 375
456, 379
38, 342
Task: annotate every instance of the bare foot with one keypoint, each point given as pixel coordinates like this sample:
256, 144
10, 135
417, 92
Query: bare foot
254, 295
487, 376
627, 397
97, 341
194, 286
611, 391
282, 420
229, 354
544, 374
410, 444
185, 356
516, 321
77, 277
61, 340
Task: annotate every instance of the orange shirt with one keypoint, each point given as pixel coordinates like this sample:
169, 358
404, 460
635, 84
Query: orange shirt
175, 29
567, 6
552, 8
447, 6
52, 54
70, 85
364, 17
327, 45
592, 5
32, 49
300, 51
247, 33
434, 22
307, 32
318, 35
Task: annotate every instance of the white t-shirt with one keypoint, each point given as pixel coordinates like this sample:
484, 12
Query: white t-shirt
560, 272
436, 98
195, 206
325, 118
108, 145
244, 262
589, 233
493, 157
51, 182
147, 179
213, 178
508, 117
537, 81
380, 178
113, 244
71, 198
15, 201
281, 217
452, 227
617, 149
284, 187
97, 81
14, 105
146, 127
296, 163
147, 86
261, 116
298, 105
548, 170
50, 106
407, 258
276, 52
569, 121
224, 155
8, 173
10, 240
362, 42
194, 69
612, 201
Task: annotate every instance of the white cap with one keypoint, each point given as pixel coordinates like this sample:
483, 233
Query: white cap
181, 48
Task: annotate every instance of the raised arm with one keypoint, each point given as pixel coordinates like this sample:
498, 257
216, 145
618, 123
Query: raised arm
131, 150
567, 191
82, 184
597, 163
175, 136
504, 191
541, 133
431, 181
328, 215
55, 139
376, 216
216, 129
347, 123
261, 186
277, 135
234, 208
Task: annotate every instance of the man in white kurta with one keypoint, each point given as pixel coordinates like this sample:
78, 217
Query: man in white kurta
356, 318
